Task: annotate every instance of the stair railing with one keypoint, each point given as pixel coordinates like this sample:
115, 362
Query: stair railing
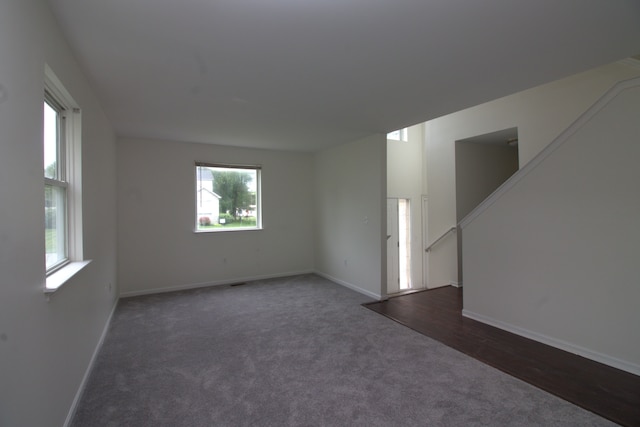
452, 229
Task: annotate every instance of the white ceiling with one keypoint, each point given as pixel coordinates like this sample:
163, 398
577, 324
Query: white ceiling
308, 74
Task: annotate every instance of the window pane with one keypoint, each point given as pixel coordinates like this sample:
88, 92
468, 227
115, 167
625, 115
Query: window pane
226, 198
395, 135
50, 142
398, 135
55, 229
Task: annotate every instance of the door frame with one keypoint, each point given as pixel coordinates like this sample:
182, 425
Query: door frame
425, 242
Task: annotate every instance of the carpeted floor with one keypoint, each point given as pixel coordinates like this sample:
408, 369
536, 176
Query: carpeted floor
298, 351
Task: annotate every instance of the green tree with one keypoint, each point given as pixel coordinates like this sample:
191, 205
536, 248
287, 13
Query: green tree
51, 171
233, 188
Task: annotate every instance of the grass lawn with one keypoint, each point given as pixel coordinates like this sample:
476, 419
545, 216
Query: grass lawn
50, 240
245, 222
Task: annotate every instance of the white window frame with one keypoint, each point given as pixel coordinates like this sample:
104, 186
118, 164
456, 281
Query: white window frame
58, 182
259, 220
70, 177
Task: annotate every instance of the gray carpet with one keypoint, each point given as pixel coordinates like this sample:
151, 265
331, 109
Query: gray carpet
298, 351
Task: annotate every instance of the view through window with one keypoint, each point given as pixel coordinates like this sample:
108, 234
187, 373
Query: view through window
227, 197
62, 155
55, 187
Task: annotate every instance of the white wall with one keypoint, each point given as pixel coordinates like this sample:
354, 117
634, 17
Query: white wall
404, 181
46, 345
540, 114
480, 169
556, 256
350, 226
157, 248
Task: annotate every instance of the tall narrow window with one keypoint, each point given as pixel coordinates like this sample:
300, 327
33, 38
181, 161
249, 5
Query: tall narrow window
62, 183
404, 243
55, 185
227, 197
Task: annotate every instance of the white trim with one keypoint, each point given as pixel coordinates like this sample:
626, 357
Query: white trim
73, 140
351, 286
554, 342
456, 284
85, 378
53, 84
424, 221
58, 278
188, 286
225, 230
441, 286
549, 149
259, 220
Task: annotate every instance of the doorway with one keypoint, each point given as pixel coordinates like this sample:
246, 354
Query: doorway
483, 163
398, 245
425, 242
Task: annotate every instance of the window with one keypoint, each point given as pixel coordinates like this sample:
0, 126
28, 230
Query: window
55, 185
62, 186
227, 197
398, 135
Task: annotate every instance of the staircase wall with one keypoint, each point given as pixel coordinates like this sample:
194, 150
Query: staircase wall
554, 254
540, 114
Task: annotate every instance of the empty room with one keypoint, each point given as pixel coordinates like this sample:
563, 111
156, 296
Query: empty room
231, 186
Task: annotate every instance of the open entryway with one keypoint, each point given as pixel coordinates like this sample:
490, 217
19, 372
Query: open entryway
483, 163
405, 187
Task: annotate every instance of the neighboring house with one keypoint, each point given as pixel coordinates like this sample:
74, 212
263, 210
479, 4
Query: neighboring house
208, 202
208, 207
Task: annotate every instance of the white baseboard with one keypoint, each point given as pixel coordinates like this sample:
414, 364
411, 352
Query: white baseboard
554, 342
456, 284
185, 287
87, 372
440, 286
351, 286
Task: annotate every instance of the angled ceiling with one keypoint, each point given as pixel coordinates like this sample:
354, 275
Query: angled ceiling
309, 74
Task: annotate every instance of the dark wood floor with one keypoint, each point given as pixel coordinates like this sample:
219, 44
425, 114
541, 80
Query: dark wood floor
437, 313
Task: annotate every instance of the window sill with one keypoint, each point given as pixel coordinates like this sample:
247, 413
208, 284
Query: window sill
62, 276
225, 230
